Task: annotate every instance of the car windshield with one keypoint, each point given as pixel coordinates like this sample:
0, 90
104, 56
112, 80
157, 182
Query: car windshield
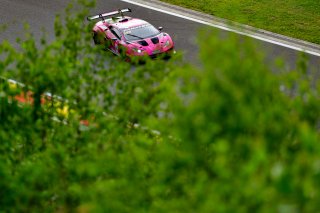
140, 32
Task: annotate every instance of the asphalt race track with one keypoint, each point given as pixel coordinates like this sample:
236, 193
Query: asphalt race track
40, 15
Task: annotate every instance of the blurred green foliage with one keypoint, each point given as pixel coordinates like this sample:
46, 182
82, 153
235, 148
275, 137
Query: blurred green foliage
228, 136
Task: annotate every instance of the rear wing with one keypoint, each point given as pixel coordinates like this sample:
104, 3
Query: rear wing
104, 15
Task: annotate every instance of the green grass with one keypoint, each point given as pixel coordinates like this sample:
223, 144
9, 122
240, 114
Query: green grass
294, 18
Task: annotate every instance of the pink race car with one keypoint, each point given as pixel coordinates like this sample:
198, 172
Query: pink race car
129, 37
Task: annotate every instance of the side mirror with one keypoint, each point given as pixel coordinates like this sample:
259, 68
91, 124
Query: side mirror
160, 28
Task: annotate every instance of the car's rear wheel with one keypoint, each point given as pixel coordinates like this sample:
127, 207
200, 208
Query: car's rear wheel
95, 38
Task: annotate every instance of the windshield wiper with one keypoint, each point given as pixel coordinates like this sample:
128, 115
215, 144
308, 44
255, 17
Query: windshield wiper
135, 36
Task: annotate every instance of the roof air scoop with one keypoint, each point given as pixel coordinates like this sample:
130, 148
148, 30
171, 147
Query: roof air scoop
124, 20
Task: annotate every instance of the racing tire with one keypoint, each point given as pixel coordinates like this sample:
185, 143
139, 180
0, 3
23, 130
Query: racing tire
95, 38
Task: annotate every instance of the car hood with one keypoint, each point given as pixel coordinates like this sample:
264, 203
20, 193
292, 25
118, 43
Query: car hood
152, 45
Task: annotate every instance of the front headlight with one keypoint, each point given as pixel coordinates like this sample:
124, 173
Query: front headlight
167, 44
137, 50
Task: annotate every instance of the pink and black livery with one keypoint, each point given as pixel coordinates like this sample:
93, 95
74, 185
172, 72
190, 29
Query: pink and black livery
127, 36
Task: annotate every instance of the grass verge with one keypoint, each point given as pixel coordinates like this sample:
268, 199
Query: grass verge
293, 18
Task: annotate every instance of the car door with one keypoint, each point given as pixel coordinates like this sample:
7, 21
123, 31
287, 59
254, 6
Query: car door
115, 39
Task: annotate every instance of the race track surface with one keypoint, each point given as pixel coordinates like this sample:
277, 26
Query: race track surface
40, 15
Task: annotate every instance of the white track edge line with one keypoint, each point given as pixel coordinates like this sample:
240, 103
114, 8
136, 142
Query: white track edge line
224, 28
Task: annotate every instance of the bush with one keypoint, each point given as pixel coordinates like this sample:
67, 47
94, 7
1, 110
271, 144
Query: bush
225, 136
